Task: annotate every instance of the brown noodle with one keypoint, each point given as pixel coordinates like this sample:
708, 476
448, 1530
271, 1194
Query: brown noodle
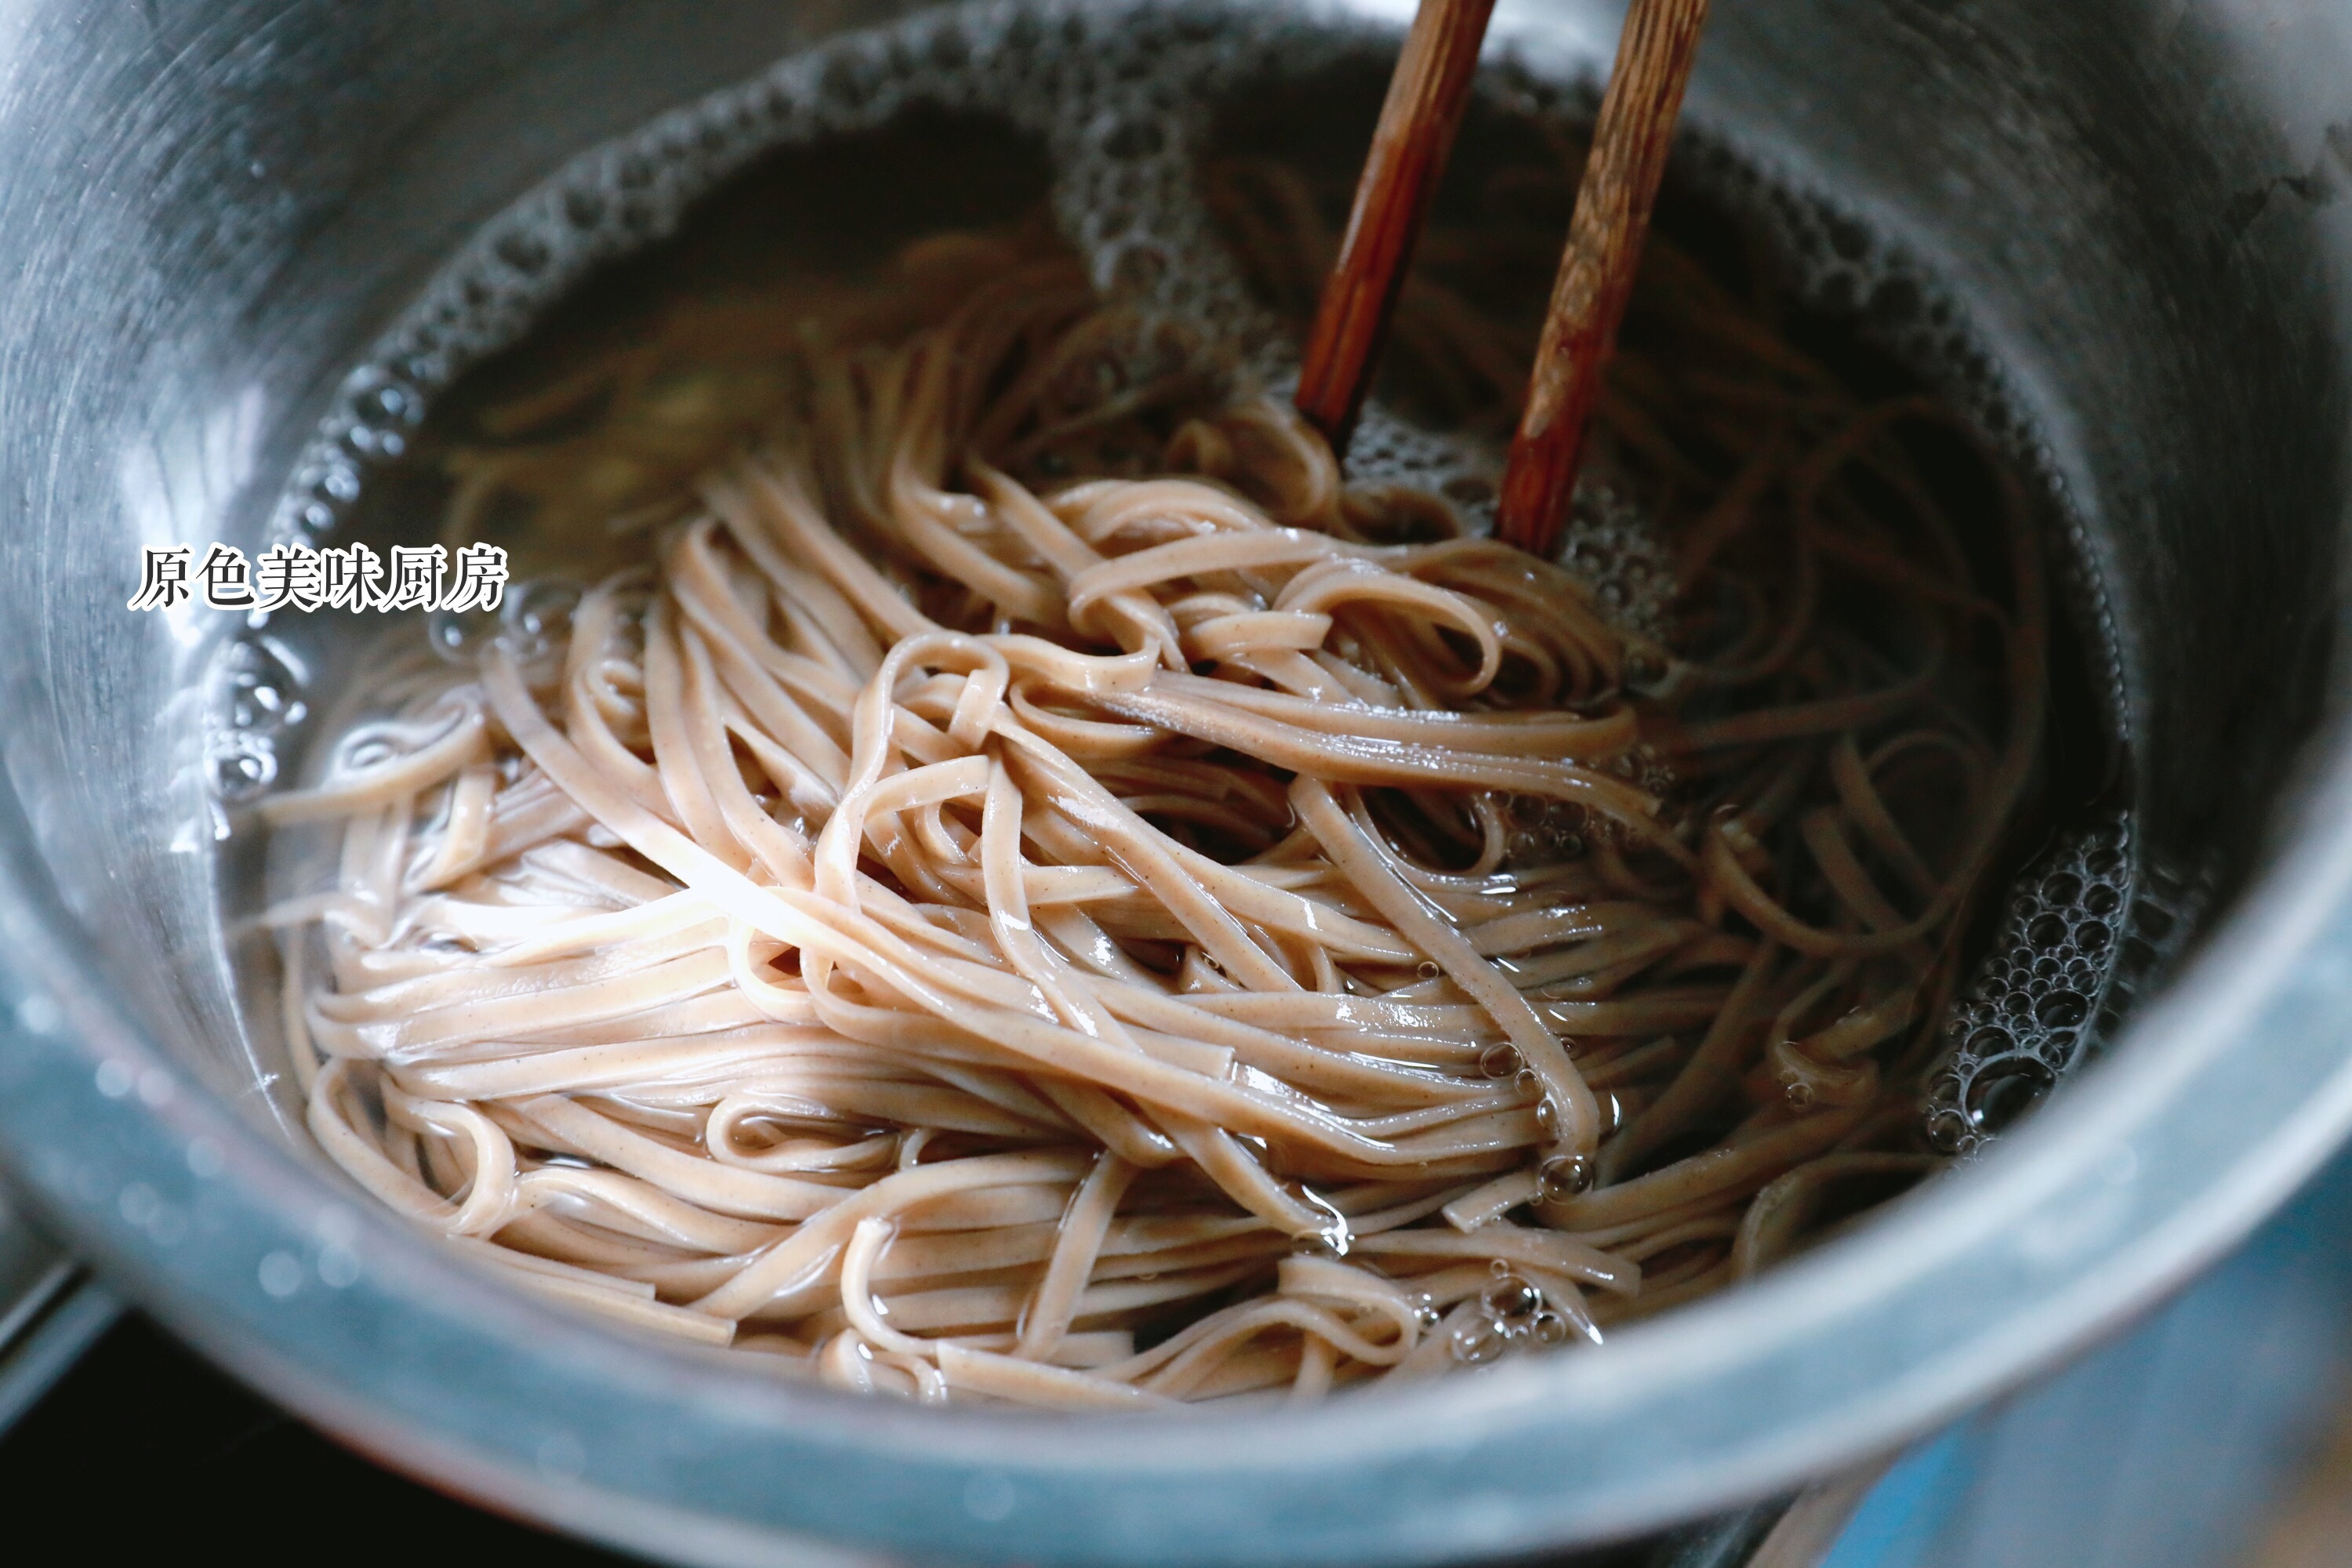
1018, 892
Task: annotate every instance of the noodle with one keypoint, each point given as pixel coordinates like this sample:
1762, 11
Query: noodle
1027, 888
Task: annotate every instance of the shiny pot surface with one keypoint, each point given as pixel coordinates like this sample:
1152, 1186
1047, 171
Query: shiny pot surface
208, 214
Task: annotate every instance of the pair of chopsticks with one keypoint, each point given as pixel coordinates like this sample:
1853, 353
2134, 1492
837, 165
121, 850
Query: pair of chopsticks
1424, 108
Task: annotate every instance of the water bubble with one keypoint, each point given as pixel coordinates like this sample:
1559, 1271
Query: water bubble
2006, 1090
1478, 1340
1512, 1302
1895, 302
2052, 989
1499, 1061
2060, 1010
540, 608
256, 693
1990, 1041
1949, 1131
1564, 1175
388, 402
535, 618
241, 768
460, 635
523, 251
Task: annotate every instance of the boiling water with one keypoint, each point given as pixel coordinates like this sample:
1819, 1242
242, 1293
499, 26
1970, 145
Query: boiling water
1121, 104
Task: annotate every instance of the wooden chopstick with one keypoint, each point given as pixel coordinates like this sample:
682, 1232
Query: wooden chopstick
1596, 274
1418, 120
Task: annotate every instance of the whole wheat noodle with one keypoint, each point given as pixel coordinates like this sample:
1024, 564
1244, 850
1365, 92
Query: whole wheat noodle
937, 916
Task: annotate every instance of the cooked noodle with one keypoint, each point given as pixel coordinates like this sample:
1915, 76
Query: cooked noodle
973, 927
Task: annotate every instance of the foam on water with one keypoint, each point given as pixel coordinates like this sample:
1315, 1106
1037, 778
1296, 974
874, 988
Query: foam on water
1122, 99
2088, 924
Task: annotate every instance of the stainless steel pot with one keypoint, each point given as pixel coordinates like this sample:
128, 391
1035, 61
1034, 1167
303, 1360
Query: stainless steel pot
208, 213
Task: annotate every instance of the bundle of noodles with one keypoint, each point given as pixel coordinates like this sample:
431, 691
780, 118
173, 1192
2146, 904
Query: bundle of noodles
973, 927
